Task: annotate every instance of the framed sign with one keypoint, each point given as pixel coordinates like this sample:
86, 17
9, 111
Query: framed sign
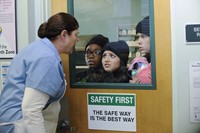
8, 38
192, 33
112, 111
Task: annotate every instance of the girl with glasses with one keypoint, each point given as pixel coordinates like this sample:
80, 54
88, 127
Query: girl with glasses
93, 56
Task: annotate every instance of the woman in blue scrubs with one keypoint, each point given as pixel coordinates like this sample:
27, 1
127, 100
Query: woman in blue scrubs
29, 101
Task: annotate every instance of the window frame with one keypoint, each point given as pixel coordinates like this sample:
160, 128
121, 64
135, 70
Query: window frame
72, 68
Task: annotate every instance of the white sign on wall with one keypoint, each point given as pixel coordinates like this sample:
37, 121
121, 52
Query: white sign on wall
4, 73
112, 111
8, 38
194, 91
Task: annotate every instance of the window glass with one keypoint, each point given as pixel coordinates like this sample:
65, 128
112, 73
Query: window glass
116, 20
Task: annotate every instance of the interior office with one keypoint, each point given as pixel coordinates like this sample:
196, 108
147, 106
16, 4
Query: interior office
181, 12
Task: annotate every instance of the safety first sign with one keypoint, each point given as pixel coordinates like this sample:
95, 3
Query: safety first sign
113, 111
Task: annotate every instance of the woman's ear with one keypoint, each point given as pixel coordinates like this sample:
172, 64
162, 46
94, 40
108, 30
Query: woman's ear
64, 33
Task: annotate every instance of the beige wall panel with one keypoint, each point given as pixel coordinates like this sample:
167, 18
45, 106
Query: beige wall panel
59, 6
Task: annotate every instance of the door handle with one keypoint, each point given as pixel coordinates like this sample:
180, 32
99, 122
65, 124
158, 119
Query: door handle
64, 125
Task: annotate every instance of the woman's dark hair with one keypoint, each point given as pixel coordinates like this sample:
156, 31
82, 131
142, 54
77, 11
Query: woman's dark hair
56, 24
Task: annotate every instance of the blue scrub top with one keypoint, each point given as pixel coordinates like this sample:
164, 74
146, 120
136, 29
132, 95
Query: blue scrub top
37, 66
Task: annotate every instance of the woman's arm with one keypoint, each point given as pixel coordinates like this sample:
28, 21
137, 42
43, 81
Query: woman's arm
32, 105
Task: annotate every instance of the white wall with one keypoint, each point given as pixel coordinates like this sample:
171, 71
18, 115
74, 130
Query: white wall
38, 12
183, 12
22, 23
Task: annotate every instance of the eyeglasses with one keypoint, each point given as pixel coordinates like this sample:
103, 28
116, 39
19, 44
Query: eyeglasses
94, 53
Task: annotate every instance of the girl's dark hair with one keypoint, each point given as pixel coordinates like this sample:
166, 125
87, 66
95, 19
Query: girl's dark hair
119, 76
56, 24
101, 76
148, 57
